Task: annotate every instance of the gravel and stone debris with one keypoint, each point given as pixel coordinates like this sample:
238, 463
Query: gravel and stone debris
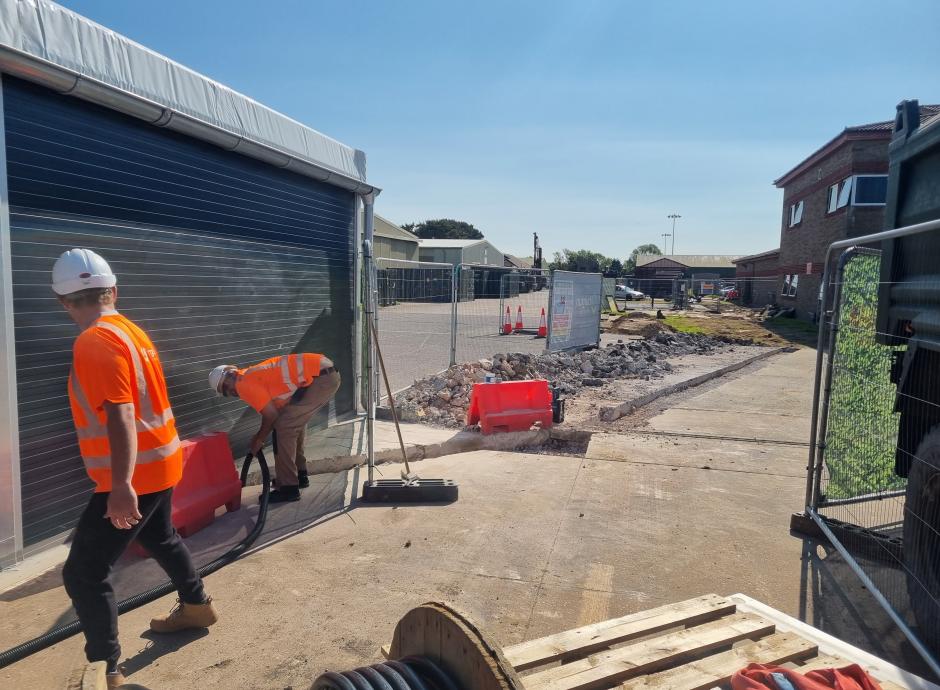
443, 399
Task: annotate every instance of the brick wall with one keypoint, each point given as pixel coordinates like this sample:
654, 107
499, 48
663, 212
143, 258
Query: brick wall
758, 281
807, 242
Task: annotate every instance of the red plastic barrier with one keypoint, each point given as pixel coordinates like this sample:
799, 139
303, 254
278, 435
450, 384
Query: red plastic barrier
209, 481
510, 406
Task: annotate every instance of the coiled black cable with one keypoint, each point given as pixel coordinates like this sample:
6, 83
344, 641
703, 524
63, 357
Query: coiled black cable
410, 673
63, 632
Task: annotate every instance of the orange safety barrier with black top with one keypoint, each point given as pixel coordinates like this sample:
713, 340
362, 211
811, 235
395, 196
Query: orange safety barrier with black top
510, 406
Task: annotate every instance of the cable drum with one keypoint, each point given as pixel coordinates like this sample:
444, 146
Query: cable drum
410, 673
63, 632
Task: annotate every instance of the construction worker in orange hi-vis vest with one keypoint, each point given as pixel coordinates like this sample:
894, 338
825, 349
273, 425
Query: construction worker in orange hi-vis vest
287, 391
127, 439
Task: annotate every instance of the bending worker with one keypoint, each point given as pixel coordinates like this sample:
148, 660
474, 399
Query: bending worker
127, 437
287, 391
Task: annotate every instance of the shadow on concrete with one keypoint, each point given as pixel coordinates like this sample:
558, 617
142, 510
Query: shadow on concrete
158, 646
795, 330
833, 599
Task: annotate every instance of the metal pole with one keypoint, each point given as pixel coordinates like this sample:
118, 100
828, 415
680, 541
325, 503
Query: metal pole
455, 288
879, 597
369, 307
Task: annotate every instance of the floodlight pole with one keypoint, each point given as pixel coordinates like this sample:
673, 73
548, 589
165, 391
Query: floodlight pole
674, 216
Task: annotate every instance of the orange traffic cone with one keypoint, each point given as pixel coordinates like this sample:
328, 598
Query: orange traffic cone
519, 325
543, 327
507, 322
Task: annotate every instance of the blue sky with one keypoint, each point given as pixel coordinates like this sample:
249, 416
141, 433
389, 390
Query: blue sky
588, 122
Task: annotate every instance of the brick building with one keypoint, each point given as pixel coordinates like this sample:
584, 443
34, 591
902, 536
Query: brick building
838, 192
758, 278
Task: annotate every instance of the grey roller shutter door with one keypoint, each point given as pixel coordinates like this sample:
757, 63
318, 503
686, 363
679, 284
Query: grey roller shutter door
220, 258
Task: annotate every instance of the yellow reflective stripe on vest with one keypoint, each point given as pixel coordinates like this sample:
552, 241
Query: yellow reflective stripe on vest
100, 462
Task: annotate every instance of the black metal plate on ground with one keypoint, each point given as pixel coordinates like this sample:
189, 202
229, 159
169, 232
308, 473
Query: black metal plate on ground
396, 491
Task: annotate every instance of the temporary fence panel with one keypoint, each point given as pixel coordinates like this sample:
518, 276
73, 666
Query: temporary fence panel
415, 313
575, 315
219, 257
485, 293
874, 483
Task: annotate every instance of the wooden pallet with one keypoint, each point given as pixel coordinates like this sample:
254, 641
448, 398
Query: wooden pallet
693, 645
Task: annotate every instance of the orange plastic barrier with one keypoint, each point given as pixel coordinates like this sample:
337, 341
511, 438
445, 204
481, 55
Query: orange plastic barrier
209, 481
510, 406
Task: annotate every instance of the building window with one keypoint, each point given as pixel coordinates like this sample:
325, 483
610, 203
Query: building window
839, 195
796, 213
790, 282
870, 190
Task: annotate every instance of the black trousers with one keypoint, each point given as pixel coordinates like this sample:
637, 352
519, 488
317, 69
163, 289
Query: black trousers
98, 544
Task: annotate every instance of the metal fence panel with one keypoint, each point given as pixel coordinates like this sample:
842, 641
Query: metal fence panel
874, 485
414, 316
575, 315
486, 297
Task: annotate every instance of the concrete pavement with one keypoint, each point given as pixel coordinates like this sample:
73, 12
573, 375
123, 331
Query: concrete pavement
536, 544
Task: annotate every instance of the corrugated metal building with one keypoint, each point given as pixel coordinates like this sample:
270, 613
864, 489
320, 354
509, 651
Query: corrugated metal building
479, 252
232, 229
393, 242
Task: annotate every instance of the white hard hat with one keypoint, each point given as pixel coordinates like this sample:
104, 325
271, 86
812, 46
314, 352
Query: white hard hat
217, 375
80, 269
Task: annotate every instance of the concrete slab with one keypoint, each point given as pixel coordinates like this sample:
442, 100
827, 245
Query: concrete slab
666, 451
765, 426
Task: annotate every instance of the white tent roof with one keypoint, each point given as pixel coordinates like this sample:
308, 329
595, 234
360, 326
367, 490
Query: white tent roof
46, 43
449, 244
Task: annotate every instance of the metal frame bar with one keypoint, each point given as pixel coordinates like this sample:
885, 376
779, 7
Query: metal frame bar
368, 264
876, 593
11, 504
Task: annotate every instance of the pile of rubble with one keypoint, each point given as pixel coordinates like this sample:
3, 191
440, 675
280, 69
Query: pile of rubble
443, 399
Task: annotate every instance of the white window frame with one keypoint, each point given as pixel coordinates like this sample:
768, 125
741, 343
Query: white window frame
785, 290
794, 283
796, 213
854, 188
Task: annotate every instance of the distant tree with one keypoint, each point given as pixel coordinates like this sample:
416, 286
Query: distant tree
444, 229
642, 249
615, 270
582, 260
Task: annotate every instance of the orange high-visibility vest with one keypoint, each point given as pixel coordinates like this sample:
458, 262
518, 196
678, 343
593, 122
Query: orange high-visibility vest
277, 379
102, 353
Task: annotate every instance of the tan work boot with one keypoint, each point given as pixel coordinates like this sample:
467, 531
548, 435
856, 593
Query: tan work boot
115, 680
184, 617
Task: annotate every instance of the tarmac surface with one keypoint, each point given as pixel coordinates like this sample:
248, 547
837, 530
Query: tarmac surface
698, 500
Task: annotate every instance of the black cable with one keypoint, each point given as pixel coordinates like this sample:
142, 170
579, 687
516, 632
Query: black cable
63, 632
410, 673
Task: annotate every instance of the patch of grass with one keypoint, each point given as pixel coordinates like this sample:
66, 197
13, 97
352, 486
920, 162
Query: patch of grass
683, 324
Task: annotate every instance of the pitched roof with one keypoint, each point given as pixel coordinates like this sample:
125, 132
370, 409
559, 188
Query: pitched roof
872, 130
691, 260
386, 228
518, 262
756, 257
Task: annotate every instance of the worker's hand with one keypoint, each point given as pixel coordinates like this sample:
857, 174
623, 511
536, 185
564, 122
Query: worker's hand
256, 444
122, 507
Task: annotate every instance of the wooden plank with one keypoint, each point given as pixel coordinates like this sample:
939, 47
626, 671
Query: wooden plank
604, 669
590, 638
706, 673
831, 661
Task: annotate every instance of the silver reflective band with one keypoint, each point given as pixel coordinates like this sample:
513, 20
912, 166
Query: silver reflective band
95, 428
285, 374
100, 462
300, 369
146, 408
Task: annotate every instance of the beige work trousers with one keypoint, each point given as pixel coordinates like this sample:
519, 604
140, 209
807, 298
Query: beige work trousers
291, 427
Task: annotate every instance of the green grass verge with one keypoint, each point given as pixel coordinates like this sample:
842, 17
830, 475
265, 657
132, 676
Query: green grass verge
683, 324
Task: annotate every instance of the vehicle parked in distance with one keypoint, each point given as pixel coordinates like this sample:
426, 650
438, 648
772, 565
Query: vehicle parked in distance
624, 292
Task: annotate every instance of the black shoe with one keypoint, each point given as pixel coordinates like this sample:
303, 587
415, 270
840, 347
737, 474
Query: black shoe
283, 495
303, 480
